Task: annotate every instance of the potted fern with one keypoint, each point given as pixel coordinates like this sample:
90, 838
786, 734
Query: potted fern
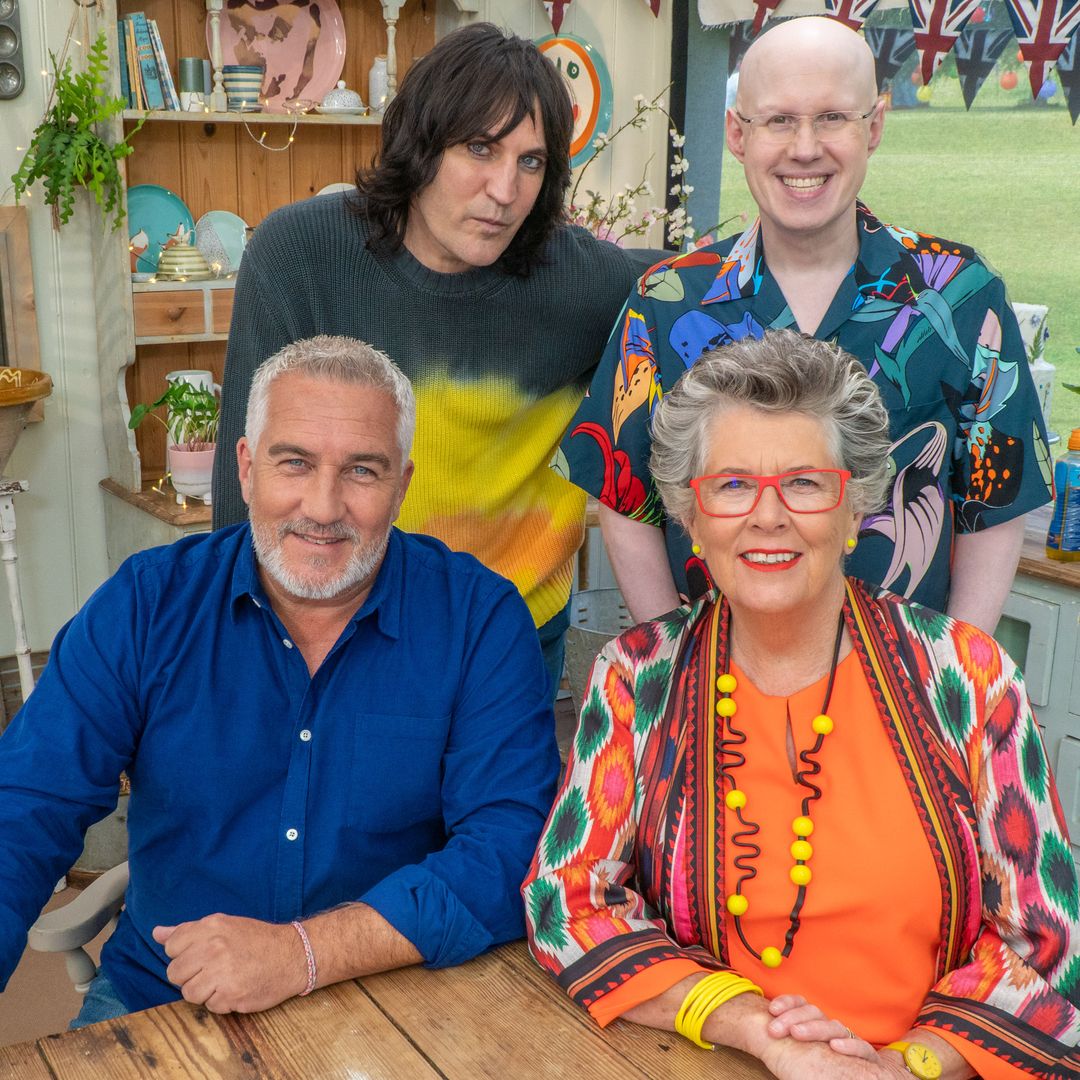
66, 151
191, 422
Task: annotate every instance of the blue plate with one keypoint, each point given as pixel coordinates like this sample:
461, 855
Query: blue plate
157, 219
586, 76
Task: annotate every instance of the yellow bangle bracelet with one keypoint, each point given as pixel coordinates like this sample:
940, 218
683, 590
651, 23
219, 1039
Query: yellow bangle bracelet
703, 988
706, 1006
704, 998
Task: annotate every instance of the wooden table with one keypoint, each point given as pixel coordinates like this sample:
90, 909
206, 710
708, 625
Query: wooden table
498, 1017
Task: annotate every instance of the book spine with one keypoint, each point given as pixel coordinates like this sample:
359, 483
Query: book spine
138, 97
144, 48
121, 50
168, 89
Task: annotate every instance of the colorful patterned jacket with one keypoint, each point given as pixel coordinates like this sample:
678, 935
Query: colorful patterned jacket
599, 894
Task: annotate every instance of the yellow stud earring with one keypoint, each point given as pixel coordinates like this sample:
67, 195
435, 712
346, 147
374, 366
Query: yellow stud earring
695, 548
851, 542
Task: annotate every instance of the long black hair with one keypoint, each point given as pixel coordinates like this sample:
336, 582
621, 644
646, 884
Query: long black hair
478, 83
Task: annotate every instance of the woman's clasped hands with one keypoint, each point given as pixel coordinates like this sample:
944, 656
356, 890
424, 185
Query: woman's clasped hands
804, 1043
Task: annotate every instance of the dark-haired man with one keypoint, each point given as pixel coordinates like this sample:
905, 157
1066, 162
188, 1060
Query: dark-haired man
452, 257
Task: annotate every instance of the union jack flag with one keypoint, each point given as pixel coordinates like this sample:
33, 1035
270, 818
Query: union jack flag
937, 25
1043, 29
850, 12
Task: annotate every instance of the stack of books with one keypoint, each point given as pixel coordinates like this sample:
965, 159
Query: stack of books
145, 78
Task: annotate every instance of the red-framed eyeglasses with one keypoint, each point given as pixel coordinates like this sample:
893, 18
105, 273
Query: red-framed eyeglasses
808, 491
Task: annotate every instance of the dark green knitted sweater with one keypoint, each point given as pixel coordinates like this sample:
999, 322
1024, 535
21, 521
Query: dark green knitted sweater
499, 364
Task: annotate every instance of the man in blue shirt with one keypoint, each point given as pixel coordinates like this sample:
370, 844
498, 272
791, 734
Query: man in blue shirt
338, 736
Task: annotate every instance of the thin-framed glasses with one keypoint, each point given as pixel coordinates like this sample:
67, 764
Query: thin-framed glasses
828, 126
809, 491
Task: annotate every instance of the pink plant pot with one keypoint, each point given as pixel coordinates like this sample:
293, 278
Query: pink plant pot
192, 471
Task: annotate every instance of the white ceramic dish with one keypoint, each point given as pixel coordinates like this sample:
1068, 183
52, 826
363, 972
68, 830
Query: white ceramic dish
330, 110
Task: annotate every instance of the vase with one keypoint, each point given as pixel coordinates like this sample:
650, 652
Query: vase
192, 472
378, 84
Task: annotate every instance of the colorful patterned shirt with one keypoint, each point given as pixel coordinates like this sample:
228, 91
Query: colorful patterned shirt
629, 874
932, 324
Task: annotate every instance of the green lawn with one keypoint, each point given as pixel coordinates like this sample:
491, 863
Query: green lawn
1003, 179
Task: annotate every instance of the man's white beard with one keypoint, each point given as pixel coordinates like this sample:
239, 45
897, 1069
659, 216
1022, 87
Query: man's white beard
362, 564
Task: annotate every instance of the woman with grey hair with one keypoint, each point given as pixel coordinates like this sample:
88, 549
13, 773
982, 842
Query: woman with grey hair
803, 817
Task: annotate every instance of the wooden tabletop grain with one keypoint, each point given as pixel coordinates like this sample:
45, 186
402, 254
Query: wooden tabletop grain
498, 1018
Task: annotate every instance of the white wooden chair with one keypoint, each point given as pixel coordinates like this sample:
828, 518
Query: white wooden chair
67, 929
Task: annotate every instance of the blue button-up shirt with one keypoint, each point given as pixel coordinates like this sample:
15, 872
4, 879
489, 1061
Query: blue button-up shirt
412, 772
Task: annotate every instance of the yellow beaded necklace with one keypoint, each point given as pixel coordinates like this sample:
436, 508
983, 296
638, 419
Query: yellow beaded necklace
803, 826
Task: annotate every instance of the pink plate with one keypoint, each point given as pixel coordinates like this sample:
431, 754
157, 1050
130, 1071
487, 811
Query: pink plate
301, 42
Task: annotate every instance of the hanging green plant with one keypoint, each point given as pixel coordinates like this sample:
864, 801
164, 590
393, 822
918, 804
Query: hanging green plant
66, 151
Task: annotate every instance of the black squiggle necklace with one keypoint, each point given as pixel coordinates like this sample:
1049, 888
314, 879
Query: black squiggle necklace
735, 800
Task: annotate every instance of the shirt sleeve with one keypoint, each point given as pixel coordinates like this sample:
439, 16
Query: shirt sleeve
1001, 464
589, 924
62, 756
608, 443
1017, 999
257, 332
500, 768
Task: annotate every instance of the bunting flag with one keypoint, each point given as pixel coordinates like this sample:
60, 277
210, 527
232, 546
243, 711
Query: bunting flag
891, 46
1068, 74
1043, 29
764, 8
937, 25
556, 9
653, 5
742, 37
977, 51
850, 12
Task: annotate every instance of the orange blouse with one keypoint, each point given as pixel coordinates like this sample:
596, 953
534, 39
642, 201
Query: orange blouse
866, 949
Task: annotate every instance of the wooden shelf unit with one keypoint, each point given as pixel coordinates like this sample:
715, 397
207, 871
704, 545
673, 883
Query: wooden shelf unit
213, 161
252, 118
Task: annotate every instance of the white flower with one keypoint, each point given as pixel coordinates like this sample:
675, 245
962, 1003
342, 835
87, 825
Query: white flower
687, 189
600, 142
677, 140
646, 188
639, 100
676, 189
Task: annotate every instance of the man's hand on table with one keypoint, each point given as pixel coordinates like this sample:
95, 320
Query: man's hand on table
231, 964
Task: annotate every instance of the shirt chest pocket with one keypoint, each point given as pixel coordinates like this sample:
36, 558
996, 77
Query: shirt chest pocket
396, 778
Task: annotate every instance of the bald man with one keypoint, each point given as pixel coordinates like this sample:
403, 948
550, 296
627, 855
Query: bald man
926, 316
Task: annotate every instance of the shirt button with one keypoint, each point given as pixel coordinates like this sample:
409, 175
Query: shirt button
305, 735
291, 834
286, 642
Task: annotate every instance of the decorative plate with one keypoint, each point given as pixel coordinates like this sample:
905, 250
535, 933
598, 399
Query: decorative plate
341, 185
586, 76
221, 237
303, 47
157, 219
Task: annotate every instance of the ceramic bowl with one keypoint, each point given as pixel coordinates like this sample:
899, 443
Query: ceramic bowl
342, 99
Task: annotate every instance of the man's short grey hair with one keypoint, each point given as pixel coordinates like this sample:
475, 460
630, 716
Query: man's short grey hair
781, 372
337, 359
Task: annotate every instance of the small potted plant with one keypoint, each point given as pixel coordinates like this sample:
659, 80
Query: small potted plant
192, 423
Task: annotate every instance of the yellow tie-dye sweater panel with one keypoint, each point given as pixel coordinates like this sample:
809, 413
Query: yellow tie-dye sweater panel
483, 482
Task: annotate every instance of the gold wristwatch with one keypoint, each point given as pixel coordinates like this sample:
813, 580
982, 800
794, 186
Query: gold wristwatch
920, 1060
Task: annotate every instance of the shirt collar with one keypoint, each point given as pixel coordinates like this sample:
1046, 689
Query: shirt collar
384, 602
